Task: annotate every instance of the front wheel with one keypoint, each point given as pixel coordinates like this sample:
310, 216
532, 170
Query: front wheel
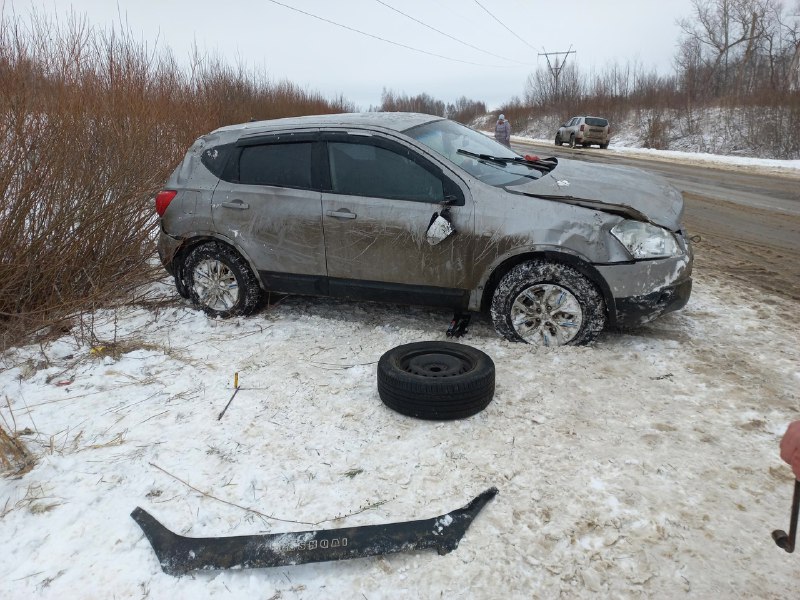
548, 304
558, 140
219, 281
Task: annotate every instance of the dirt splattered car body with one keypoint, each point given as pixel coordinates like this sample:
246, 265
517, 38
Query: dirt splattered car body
412, 208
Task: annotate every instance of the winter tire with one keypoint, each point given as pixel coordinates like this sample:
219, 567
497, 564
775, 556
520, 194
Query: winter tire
180, 284
220, 282
572, 141
548, 304
603, 146
558, 140
436, 380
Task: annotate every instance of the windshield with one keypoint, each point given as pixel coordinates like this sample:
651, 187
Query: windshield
448, 137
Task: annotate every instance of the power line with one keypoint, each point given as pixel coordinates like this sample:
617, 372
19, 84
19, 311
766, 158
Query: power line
501, 23
555, 69
375, 37
450, 36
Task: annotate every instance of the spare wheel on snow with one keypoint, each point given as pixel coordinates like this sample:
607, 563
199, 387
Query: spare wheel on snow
436, 380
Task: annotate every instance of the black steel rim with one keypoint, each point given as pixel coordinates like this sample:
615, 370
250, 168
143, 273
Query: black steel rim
436, 364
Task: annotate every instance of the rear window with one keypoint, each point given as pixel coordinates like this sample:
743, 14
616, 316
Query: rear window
595, 122
216, 158
282, 165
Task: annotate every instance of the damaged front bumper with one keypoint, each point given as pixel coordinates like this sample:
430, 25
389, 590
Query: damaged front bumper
641, 291
638, 310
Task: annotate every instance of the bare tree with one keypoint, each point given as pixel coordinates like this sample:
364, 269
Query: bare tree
740, 46
423, 103
791, 34
541, 88
465, 110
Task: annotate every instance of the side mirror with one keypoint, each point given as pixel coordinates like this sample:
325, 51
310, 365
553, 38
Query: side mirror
439, 229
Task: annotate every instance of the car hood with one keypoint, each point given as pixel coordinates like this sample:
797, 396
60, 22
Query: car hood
628, 191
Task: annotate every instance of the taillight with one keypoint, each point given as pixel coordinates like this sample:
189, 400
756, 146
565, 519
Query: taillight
163, 199
583, 127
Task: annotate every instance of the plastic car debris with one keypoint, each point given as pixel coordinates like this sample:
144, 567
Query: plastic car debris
179, 555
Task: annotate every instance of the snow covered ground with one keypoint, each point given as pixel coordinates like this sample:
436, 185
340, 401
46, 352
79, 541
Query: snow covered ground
646, 465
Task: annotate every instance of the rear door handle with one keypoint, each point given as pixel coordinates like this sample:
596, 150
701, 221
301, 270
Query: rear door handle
237, 204
341, 214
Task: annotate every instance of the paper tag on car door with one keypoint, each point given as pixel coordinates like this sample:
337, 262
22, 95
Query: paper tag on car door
439, 230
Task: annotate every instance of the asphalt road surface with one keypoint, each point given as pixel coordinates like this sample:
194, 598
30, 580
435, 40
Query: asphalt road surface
747, 218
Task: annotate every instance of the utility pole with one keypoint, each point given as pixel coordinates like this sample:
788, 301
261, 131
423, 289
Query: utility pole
556, 66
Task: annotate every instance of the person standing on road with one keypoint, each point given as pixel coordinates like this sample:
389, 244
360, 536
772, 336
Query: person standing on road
790, 447
502, 131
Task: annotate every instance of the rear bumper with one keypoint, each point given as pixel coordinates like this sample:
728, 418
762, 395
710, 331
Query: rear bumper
168, 247
591, 140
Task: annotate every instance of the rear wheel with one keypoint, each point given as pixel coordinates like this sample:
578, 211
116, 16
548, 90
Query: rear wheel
604, 146
572, 141
220, 282
548, 304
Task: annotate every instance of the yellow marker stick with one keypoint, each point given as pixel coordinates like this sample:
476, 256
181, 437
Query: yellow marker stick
235, 389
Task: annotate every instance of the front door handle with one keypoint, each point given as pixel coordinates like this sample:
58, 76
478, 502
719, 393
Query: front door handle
237, 204
341, 214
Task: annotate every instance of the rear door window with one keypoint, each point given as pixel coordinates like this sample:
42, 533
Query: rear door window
216, 158
362, 169
281, 165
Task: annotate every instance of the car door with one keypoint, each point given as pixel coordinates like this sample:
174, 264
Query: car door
380, 201
269, 206
572, 129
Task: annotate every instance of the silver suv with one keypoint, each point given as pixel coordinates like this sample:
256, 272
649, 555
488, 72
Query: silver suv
584, 131
416, 209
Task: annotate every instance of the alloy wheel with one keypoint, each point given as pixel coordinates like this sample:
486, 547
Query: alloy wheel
546, 314
215, 285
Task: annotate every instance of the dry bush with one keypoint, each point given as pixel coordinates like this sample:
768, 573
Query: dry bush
517, 113
656, 132
465, 110
91, 124
14, 456
392, 101
771, 129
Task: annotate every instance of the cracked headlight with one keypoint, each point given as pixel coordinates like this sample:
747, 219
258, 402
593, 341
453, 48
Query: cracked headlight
644, 240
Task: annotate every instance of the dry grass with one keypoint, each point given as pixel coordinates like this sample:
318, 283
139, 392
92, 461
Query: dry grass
92, 122
15, 459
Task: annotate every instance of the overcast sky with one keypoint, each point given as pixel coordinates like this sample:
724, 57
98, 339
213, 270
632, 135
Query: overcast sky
273, 37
